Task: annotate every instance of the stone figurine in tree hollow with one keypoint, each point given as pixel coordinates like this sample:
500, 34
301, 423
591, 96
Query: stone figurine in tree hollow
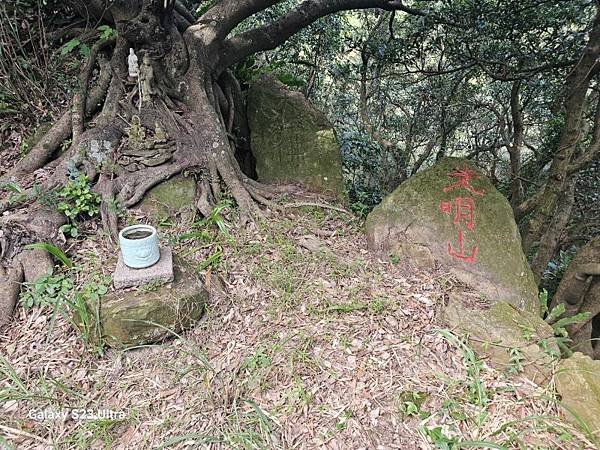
464, 212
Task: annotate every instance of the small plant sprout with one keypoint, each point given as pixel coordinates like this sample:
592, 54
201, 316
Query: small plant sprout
515, 362
77, 201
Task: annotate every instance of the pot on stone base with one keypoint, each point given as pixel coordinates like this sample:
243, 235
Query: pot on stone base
139, 246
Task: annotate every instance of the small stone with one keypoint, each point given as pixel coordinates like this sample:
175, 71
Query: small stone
159, 273
578, 384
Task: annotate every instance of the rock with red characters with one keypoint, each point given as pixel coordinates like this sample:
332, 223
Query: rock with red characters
451, 216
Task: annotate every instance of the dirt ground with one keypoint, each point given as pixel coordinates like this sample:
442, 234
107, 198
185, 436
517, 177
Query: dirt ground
314, 343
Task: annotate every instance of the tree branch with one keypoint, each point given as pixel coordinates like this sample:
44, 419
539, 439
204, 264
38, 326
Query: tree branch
527, 206
227, 14
514, 150
270, 36
593, 149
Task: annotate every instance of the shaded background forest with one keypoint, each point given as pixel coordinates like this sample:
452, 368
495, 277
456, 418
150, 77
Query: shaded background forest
485, 80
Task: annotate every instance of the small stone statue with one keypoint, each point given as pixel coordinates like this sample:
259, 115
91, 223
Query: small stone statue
144, 148
160, 135
146, 79
132, 63
135, 132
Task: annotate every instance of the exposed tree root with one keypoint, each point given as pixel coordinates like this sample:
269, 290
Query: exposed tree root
204, 204
60, 131
317, 205
79, 99
25, 265
108, 212
132, 189
10, 286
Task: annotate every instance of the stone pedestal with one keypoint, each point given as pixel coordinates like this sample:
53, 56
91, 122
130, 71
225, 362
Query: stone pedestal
159, 273
135, 317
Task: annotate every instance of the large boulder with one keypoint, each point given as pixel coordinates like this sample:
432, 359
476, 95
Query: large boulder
291, 140
505, 336
578, 383
153, 313
579, 291
451, 214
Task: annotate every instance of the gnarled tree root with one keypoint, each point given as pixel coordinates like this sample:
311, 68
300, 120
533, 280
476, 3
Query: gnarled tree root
60, 131
10, 286
25, 264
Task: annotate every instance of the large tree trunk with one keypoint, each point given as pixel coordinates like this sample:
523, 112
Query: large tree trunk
178, 92
187, 98
552, 237
541, 228
185, 89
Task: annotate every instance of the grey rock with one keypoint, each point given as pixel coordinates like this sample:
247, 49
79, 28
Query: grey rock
495, 331
36, 263
452, 215
159, 273
174, 196
578, 383
291, 140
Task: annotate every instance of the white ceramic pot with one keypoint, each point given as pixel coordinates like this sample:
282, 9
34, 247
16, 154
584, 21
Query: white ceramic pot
139, 246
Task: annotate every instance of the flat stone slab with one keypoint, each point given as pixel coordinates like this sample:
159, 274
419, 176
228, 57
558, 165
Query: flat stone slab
159, 273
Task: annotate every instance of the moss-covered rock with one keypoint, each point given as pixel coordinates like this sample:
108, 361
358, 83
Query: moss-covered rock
503, 332
421, 222
153, 313
291, 140
174, 196
578, 383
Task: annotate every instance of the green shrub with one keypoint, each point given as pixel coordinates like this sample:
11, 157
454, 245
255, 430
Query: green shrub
76, 201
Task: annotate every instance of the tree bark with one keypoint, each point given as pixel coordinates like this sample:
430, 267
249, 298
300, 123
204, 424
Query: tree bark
552, 235
544, 205
514, 149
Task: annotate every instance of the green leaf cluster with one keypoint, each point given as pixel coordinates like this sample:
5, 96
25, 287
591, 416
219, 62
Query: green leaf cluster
49, 289
77, 201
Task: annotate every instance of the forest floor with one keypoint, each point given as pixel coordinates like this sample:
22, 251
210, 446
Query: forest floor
323, 348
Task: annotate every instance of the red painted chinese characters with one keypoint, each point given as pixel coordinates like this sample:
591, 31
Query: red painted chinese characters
463, 211
464, 176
